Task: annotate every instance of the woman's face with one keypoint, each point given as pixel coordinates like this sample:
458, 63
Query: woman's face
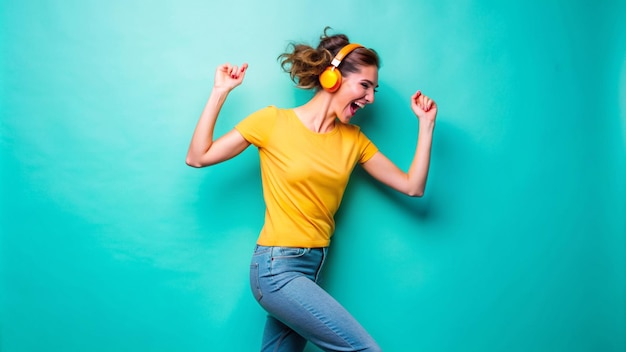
357, 90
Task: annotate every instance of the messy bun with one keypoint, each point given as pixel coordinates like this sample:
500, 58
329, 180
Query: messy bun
305, 63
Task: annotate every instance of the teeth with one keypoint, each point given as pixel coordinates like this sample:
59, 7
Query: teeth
359, 104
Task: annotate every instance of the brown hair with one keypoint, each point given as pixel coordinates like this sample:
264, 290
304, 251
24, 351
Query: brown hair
305, 63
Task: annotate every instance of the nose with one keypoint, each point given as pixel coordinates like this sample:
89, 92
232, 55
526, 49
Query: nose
369, 97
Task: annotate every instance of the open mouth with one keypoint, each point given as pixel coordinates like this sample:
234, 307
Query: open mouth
355, 106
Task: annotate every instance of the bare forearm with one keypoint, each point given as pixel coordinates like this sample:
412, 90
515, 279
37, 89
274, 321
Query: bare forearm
202, 138
413, 182
227, 77
418, 172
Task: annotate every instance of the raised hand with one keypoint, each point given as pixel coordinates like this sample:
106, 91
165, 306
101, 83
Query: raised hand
228, 77
424, 107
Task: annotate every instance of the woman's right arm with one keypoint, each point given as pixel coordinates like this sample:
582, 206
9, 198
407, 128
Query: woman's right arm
203, 150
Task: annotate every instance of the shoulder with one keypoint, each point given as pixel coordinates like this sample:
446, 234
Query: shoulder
263, 114
273, 112
257, 127
354, 134
268, 110
350, 129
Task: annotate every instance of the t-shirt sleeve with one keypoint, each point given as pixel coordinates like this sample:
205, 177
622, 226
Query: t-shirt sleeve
367, 148
257, 127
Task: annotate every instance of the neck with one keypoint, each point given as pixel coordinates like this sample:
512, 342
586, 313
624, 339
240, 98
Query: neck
316, 113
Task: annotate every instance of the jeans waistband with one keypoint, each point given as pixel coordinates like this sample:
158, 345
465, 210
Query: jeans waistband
259, 247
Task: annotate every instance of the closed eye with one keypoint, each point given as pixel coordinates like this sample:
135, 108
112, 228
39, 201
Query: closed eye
367, 85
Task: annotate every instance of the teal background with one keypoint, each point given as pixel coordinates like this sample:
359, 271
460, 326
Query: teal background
109, 242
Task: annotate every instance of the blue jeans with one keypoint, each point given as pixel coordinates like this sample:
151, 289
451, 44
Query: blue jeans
284, 282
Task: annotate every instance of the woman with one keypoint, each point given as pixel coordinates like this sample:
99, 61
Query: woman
307, 154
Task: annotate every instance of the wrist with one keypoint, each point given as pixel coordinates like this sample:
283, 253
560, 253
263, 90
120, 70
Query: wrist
221, 90
426, 125
218, 96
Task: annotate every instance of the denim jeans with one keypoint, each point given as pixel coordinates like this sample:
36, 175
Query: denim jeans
284, 280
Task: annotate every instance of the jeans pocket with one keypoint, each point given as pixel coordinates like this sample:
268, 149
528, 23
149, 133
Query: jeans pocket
254, 281
289, 252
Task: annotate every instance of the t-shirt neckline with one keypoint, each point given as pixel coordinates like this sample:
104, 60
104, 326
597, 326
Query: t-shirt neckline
329, 133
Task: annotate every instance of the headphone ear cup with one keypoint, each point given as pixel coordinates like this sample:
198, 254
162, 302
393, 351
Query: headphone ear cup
330, 79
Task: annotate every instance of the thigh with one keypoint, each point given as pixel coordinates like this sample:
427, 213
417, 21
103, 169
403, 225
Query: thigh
283, 281
278, 337
310, 311
271, 268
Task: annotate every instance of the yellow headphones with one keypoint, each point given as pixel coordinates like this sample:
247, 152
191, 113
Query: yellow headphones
330, 79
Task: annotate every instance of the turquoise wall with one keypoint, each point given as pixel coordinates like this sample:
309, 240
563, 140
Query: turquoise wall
110, 242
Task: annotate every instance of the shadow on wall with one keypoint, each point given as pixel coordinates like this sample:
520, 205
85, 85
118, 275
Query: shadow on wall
396, 137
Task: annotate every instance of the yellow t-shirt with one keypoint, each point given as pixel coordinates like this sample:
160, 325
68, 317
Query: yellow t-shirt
304, 174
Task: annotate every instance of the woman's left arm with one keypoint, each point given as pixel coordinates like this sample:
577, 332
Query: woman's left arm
412, 183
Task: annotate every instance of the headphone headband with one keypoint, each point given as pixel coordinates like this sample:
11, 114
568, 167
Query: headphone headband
343, 53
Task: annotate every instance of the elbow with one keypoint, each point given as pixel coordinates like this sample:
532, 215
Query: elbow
198, 163
417, 194
193, 162
416, 190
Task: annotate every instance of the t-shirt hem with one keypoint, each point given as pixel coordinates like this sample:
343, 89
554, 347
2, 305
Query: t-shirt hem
294, 244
